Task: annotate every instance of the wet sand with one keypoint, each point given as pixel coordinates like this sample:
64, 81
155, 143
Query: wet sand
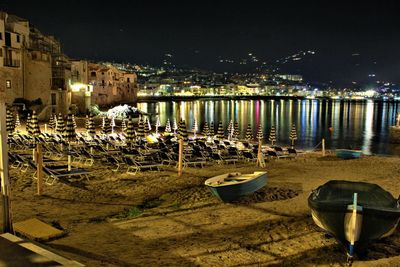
160, 219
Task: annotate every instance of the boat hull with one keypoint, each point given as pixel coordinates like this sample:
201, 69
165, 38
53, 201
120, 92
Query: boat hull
228, 193
348, 154
380, 216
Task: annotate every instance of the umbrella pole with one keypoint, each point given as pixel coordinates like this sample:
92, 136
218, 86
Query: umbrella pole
180, 157
323, 147
260, 160
69, 156
5, 182
39, 158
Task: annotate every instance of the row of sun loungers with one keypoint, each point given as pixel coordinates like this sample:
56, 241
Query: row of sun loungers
132, 158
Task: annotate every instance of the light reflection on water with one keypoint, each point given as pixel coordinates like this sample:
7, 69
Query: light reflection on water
358, 125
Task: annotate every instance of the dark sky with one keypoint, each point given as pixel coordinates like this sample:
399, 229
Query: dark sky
351, 40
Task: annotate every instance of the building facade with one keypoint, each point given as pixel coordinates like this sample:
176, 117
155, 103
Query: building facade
34, 72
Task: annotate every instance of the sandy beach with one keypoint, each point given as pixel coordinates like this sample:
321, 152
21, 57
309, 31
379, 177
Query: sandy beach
160, 219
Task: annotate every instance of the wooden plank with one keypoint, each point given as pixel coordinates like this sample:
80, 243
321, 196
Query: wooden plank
36, 229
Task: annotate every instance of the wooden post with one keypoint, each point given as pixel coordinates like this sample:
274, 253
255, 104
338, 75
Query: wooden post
323, 147
5, 182
39, 172
260, 160
180, 158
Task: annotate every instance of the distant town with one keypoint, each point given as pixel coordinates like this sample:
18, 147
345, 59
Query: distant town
36, 71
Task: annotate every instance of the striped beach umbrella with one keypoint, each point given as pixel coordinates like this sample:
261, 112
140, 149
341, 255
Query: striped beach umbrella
206, 129
230, 129
52, 123
60, 128
69, 133
167, 127
91, 128
236, 131
140, 130
220, 131
10, 125
272, 135
35, 129
293, 134
195, 128
87, 122
130, 131
182, 131
249, 132
146, 126
74, 122
158, 124
112, 124
260, 134
123, 126
106, 127
175, 126
17, 120
212, 129
28, 124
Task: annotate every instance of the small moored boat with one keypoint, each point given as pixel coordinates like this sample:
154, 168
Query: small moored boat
354, 212
231, 186
348, 153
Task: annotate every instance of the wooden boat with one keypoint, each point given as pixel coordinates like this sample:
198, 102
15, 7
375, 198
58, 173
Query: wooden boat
231, 186
348, 153
354, 212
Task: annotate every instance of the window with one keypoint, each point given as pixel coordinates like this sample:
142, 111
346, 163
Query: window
8, 84
1, 36
1, 52
129, 80
18, 39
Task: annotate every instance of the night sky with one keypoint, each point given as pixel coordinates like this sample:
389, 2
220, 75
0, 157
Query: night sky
351, 41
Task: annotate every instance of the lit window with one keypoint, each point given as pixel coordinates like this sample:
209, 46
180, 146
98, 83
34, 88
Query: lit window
8, 84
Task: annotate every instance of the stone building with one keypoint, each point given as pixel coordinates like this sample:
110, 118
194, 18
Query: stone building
101, 84
33, 68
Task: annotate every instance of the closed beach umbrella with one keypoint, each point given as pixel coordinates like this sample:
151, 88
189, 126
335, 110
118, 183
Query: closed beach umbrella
206, 130
249, 132
28, 124
212, 129
10, 125
158, 124
140, 130
130, 131
73, 121
112, 124
35, 124
123, 126
17, 121
52, 123
293, 134
69, 133
60, 128
146, 126
106, 127
236, 131
260, 135
168, 127
91, 126
195, 128
229, 129
175, 126
272, 136
182, 131
220, 131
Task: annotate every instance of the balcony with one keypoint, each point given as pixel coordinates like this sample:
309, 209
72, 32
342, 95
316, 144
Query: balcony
8, 62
